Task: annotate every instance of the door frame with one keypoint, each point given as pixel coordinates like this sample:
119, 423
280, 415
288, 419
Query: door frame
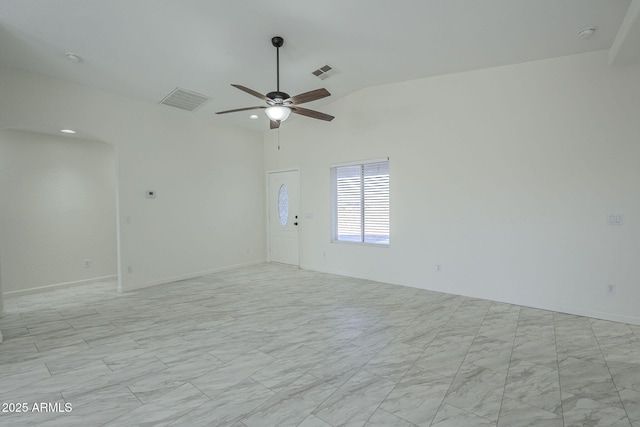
267, 211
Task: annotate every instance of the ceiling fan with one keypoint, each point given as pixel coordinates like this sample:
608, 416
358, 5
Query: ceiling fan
279, 104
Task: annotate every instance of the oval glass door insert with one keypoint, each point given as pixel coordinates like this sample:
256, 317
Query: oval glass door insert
283, 205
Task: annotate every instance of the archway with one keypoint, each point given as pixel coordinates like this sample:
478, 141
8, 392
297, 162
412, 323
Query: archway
60, 220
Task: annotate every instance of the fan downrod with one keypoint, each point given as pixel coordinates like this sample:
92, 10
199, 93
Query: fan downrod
277, 41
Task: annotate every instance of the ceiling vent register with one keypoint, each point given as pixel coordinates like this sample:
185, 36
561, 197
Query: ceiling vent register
324, 72
184, 99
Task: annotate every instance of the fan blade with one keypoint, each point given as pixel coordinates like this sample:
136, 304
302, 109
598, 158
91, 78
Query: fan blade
274, 124
311, 113
240, 109
312, 95
251, 92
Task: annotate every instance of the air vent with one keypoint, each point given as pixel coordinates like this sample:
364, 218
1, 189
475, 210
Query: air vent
324, 72
184, 99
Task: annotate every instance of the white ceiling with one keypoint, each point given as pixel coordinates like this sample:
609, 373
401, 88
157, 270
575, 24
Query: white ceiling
143, 49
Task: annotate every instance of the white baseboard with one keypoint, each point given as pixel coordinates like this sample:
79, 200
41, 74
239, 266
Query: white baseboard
578, 311
47, 288
539, 304
164, 281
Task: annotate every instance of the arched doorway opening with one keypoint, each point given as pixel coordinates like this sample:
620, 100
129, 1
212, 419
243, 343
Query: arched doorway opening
58, 225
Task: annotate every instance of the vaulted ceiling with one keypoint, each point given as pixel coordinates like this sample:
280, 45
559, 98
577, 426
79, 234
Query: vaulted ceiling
143, 49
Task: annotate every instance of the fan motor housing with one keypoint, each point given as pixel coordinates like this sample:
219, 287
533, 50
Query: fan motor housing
274, 96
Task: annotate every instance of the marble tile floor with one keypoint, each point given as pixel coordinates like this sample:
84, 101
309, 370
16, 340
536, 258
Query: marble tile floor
271, 345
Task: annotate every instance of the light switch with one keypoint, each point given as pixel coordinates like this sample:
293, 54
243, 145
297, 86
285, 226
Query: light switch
615, 219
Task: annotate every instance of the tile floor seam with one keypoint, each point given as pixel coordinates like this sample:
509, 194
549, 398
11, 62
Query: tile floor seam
395, 415
135, 395
624, 407
203, 403
555, 340
382, 401
604, 356
319, 416
407, 372
45, 365
495, 423
474, 338
513, 345
338, 389
444, 396
458, 370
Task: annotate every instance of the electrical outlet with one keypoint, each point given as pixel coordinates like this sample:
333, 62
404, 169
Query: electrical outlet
611, 289
87, 263
439, 268
615, 219
130, 269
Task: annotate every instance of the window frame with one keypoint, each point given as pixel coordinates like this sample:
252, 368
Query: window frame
333, 171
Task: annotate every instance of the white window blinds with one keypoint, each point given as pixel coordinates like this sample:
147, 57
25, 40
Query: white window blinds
360, 203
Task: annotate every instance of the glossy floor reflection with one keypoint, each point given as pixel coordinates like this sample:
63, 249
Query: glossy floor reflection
271, 345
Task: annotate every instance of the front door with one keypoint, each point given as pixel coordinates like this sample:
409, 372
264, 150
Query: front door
283, 217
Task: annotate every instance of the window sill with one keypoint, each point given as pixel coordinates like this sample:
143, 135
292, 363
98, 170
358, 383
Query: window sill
375, 245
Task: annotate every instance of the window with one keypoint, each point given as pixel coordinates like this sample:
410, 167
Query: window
360, 203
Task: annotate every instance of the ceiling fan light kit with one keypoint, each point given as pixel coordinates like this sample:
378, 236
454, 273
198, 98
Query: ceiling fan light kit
279, 104
278, 113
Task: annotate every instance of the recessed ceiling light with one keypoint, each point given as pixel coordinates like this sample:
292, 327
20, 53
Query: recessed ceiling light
587, 33
70, 131
253, 117
73, 57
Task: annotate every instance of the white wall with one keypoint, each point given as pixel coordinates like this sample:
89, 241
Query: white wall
503, 176
209, 178
58, 210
